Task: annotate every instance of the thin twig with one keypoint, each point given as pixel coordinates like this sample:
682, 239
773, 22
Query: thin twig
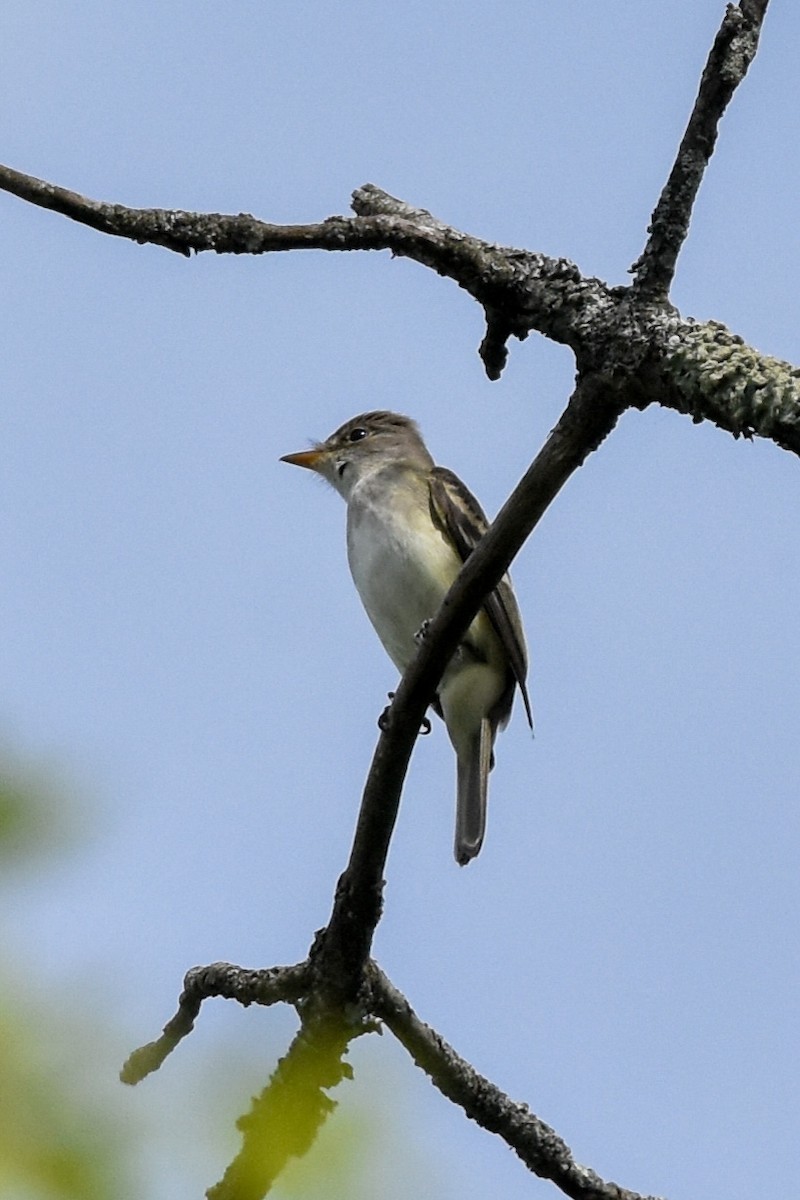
539, 1146
201, 983
733, 51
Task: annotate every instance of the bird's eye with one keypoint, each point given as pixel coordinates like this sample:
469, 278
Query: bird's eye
356, 435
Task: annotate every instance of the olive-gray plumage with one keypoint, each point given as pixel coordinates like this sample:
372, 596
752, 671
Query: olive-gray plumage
410, 526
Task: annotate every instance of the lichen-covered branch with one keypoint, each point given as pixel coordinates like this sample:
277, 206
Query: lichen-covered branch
700, 369
711, 374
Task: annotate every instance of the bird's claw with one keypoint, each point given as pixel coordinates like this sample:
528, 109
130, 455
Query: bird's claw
422, 632
383, 719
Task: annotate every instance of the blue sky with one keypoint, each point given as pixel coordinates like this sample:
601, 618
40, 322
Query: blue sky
181, 645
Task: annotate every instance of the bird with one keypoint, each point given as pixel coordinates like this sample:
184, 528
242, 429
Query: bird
410, 527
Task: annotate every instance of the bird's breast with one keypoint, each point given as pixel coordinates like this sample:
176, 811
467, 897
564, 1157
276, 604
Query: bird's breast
401, 564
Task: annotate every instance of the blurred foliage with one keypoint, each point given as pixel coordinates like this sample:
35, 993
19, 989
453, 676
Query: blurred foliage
58, 1137
70, 1131
368, 1146
362, 1152
57, 1140
37, 817
284, 1120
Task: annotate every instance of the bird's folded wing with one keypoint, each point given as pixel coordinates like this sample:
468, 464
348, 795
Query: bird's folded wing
458, 514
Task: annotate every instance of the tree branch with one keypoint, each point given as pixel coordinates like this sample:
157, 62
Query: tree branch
733, 51
705, 371
285, 1118
539, 1146
531, 290
219, 979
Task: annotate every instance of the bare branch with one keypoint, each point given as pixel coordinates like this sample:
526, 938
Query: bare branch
734, 49
372, 201
494, 347
201, 983
345, 945
286, 1117
700, 369
531, 290
539, 1146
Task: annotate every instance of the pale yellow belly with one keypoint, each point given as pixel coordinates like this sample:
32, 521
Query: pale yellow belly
402, 567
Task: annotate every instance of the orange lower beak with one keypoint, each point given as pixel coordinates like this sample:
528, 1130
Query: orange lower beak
305, 458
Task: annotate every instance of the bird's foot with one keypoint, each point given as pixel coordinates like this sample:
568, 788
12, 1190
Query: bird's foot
383, 719
422, 632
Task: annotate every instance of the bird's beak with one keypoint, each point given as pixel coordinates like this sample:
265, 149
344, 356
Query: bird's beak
305, 458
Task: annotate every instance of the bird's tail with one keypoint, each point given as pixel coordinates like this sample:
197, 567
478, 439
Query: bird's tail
473, 763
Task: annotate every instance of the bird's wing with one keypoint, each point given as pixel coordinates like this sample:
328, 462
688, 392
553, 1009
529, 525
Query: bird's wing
458, 514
